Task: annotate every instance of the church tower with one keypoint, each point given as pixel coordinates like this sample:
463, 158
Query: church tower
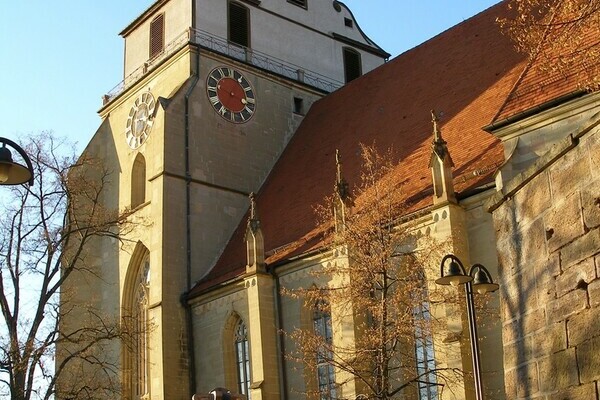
213, 90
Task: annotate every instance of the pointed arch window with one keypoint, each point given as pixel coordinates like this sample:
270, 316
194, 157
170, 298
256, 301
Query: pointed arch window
424, 352
325, 371
138, 181
140, 357
242, 356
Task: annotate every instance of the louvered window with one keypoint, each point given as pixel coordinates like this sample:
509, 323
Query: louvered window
300, 3
157, 35
352, 64
239, 25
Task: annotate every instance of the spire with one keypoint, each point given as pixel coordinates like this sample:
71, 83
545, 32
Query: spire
253, 221
439, 144
342, 195
341, 186
255, 247
441, 166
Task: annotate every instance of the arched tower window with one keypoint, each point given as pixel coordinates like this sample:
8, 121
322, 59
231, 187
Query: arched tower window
242, 357
157, 36
325, 371
136, 358
138, 181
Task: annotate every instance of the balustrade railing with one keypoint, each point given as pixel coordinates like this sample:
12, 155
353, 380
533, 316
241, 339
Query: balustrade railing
241, 53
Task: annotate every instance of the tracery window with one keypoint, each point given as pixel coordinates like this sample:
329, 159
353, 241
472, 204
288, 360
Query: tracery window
325, 371
424, 353
242, 356
141, 360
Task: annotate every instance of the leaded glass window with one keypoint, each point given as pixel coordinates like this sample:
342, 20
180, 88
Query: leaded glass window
325, 371
242, 356
425, 357
141, 381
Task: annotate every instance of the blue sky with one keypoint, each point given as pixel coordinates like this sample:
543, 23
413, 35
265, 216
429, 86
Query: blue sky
58, 57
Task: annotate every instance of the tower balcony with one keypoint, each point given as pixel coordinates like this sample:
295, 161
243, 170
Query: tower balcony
210, 42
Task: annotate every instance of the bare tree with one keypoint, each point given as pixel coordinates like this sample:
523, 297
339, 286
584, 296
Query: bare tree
45, 232
561, 36
378, 289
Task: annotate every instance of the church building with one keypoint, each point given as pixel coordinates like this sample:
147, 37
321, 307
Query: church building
235, 119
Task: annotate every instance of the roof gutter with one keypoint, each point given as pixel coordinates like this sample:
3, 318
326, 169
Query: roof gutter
535, 110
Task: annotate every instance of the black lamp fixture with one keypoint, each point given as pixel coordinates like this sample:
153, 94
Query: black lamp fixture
452, 272
12, 173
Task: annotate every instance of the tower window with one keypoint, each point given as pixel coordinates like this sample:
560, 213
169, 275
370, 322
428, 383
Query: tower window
138, 181
242, 356
299, 3
348, 22
352, 64
298, 105
157, 35
239, 25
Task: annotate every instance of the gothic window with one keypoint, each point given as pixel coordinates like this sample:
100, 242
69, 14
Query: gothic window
325, 371
157, 35
239, 24
352, 64
242, 356
424, 354
138, 181
139, 357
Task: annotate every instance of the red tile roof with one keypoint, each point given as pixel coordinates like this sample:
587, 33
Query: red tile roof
551, 76
466, 73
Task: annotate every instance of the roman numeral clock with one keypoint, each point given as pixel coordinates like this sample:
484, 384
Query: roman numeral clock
230, 94
140, 120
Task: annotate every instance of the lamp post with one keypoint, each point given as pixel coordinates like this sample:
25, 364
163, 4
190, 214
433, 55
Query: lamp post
12, 173
477, 278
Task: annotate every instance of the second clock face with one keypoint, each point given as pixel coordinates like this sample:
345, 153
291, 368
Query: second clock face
231, 95
139, 122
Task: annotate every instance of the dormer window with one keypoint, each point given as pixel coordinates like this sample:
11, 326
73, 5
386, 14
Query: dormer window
239, 25
299, 3
157, 35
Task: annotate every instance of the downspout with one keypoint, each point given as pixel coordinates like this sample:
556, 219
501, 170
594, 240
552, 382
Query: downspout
188, 239
279, 342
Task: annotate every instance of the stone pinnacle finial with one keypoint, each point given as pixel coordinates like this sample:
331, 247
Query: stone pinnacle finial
441, 166
437, 135
252, 198
253, 221
341, 186
255, 246
439, 144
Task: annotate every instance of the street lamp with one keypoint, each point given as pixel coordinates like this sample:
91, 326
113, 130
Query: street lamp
452, 272
12, 173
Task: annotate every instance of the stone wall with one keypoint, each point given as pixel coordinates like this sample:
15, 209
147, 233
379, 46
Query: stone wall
547, 222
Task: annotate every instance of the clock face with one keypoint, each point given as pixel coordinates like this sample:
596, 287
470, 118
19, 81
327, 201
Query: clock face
139, 122
231, 95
